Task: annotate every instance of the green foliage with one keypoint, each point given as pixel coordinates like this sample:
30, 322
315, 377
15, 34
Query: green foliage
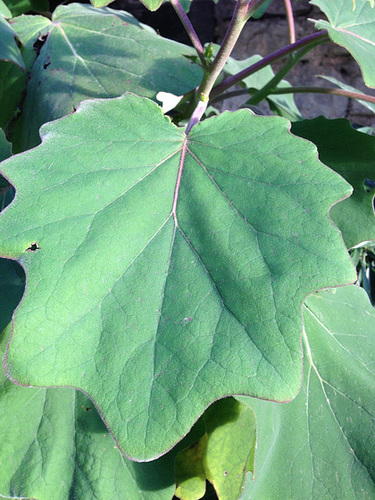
163, 268
317, 446
353, 30
223, 455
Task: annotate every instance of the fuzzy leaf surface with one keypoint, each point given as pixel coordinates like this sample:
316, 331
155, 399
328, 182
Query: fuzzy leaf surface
354, 30
351, 154
223, 455
157, 282
54, 445
87, 53
320, 445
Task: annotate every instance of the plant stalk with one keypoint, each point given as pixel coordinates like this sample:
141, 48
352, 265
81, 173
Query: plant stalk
210, 74
309, 41
237, 23
190, 31
290, 19
325, 90
301, 90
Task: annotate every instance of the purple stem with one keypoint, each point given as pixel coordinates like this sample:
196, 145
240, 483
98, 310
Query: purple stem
320, 36
189, 30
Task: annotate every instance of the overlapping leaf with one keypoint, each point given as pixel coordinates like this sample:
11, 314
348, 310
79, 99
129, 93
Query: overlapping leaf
84, 53
137, 266
320, 445
9, 50
354, 30
351, 154
54, 445
19, 7
224, 454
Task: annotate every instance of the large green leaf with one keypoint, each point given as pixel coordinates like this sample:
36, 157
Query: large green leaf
354, 30
85, 53
55, 446
224, 454
321, 444
351, 154
157, 282
12, 83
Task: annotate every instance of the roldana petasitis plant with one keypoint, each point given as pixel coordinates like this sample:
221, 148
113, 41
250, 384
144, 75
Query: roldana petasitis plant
176, 273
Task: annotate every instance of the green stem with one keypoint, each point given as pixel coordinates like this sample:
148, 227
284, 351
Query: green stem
325, 90
237, 23
301, 90
210, 74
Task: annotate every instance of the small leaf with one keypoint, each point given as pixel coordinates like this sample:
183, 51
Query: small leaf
9, 50
320, 445
353, 30
352, 155
149, 260
4, 11
223, 456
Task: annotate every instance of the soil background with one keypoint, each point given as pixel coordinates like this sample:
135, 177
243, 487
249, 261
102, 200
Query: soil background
263, 36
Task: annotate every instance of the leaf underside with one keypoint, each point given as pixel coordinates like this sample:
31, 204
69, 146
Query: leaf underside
157, 285
354, 30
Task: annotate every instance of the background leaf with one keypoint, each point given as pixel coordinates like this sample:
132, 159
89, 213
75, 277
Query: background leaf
341, 85
85, 52
282, 105
351, 154
223, 455
19, 7
319, 445
354, 30
126, 286
6, 190
9, 50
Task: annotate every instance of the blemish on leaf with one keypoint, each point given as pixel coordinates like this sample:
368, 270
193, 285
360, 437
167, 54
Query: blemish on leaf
33, 247
38, 44
47, 63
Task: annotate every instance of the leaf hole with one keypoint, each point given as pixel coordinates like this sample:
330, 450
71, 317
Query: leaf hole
33, 247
